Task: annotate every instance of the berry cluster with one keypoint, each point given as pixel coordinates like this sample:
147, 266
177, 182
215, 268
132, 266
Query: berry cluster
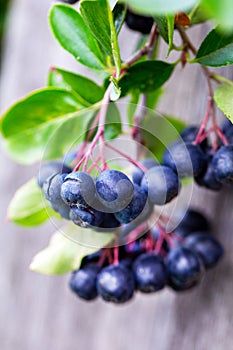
105, 202
112, 198
150, 263
211, 166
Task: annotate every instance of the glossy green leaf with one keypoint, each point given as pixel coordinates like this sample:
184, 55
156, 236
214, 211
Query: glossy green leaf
220, 10
145, 76
45, 124
99, 18
216, 50
149, 7
159, 131
67, 248
95, 15
75, 36
223, 97
165, 26
119, 13
86, 90
27, 207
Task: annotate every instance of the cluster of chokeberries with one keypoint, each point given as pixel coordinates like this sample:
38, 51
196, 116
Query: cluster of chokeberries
150, 263
113, 201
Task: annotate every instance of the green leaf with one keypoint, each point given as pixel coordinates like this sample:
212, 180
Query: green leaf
166, 29
170, 24
95, 15
44, 124
221, 10
153, 98
149, 7
162, 25
74, 36
159, 131
216, 50
86, 90
98, 17
27, 208
145, 76
119, 14
223, 97
132, 107
67, 248
197, 15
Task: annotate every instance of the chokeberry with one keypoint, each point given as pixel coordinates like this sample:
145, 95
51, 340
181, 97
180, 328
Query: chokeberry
86, 217
78, 189
223, 164
138, 174
192, 221
207, 246
150, 273
226, 126
115, 189
83, 282
71, 2
186, 159
52, 191
51, 168
139, 23
134, 208
115, 284
208, 179
189, 135
184, 267
161, 184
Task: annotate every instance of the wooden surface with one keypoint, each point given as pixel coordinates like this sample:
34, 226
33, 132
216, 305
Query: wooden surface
38, 312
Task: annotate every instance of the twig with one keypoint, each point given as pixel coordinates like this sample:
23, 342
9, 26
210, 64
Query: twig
145, 50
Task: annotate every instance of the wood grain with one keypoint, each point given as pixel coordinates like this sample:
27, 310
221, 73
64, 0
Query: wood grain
37, 312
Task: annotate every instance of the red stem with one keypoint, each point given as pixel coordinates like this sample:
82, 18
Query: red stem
131, 160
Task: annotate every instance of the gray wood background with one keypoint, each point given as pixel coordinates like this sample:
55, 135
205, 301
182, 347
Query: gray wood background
38, 312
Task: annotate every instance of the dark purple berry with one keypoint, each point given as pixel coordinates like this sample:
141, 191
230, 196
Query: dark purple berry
139, 23
186, 159
207, 246
192, 221
134, 208
86, 217
115, 284
115, 189
138, 174
52, 191
83, 282
189, 135
185, 268
223, 164
49, 169
150, 273
78, 189
161, 184
208, 179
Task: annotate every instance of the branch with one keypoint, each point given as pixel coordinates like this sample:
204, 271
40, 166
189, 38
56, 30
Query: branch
145, 50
